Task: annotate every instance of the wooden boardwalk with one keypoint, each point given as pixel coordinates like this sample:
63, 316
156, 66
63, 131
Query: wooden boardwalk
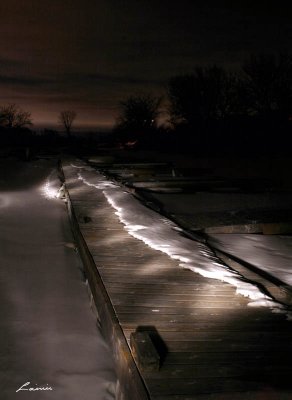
210, 343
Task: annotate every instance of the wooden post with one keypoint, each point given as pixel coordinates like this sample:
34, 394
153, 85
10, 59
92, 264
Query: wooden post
144, 352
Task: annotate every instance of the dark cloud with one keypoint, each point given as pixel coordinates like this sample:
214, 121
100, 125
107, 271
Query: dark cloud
90, 55
26, 81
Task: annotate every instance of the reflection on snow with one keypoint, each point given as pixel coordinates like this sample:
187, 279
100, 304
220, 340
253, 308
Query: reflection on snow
163, 235
48, 191
51, 189
5, 200
268, 252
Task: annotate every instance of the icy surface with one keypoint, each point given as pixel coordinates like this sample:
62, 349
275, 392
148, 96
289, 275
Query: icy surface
48, 333
272, 254
161, 234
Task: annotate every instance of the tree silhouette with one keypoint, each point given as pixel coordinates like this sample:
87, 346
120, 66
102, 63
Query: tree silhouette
138, 116
209, 93
268, 82
67, 118
12, 116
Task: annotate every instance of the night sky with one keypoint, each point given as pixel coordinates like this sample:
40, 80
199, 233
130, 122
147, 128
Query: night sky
88, 55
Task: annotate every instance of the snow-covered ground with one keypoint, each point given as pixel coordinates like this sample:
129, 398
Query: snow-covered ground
161, 234
272, 254
48, 333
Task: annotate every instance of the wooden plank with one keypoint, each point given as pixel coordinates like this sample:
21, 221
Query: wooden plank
173, 278
90, 223
122, 267
132, 269
201, 297
219, 358
100, 249
188, 291
204, 385
206, 346
121, 234
143, 305
176, 299
161, 299
228, 370
221, 385
244, 325
172, 274
197, 317
282, 336
138, 258
227, 316
181, 287
114, 278
171, 306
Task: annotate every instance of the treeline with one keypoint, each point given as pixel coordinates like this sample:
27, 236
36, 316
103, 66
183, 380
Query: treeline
210, 111
215, 110
16, 129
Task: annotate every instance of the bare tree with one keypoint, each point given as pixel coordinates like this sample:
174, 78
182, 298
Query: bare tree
12, 116
268, 82
138, 118
139, 112
67, 118
210, 93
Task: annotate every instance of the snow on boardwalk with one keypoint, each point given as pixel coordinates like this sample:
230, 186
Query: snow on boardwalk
48, 332
211, 344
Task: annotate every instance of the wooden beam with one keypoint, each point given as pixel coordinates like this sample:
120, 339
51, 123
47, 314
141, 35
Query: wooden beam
144, 352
